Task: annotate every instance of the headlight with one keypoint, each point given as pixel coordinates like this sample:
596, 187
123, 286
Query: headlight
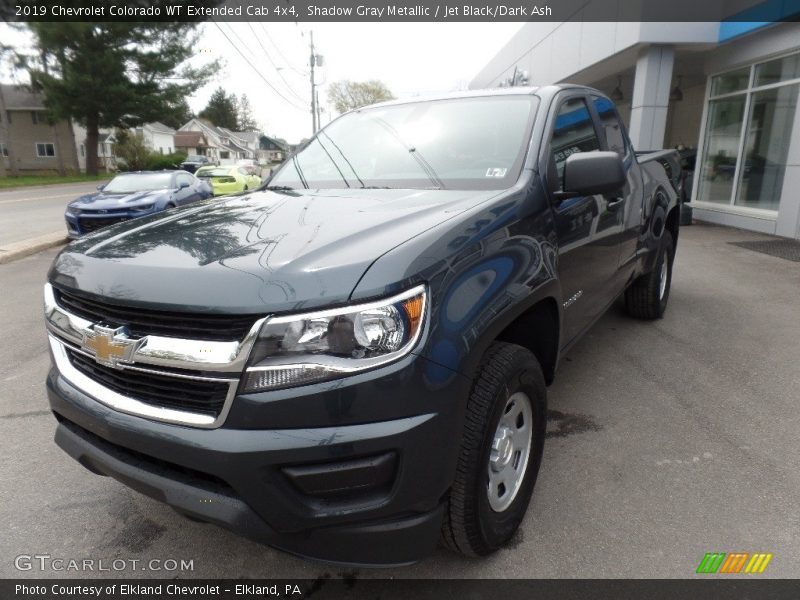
301, 349
142, 208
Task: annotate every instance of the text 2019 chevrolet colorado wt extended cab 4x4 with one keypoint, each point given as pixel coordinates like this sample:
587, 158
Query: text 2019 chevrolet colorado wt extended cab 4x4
351, 362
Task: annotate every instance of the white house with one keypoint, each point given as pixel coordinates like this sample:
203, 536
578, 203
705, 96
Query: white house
224, 146
157, 136
106, 159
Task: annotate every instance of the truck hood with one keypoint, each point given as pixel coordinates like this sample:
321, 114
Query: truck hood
105, 201
257, 253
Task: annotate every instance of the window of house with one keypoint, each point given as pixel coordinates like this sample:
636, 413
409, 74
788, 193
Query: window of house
224, 154
750, 115
83, 151
45, 150
3, 149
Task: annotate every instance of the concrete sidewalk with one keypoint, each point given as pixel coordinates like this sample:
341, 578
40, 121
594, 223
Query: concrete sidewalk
21, 249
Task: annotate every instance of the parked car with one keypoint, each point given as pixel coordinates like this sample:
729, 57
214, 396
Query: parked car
353, 361
228, 180
195, 161
133, 195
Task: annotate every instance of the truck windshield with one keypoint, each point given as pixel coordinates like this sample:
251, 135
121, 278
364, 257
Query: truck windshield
466, 143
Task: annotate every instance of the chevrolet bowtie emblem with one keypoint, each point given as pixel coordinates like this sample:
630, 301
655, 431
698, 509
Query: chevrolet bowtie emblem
110, 345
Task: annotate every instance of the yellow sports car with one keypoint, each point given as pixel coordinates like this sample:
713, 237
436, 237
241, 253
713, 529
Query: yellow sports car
227, 180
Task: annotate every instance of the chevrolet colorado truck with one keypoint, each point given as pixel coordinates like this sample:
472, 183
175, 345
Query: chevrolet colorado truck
351, 363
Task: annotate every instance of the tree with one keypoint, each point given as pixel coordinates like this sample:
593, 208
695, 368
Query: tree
221, 110
177, 115
247, 121
113, 74
349, 95
132, 149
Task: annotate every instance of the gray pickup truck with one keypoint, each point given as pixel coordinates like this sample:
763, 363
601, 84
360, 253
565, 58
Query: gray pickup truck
351, 363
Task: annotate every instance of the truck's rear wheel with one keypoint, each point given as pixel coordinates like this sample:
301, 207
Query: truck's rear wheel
647, 297
501, 451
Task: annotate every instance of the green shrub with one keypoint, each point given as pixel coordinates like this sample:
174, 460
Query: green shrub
157, 162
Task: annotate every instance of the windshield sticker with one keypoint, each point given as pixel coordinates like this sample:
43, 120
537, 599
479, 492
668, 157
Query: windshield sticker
496, 172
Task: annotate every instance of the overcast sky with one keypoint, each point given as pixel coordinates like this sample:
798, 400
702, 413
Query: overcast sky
411, 59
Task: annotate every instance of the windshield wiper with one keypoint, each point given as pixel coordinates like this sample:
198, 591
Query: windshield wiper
279, 188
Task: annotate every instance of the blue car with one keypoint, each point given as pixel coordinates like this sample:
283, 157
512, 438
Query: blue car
132, 195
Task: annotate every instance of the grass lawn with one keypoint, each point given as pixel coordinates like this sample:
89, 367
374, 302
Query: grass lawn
7, 183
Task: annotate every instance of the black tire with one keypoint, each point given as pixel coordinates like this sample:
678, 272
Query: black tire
643, 299
471, 526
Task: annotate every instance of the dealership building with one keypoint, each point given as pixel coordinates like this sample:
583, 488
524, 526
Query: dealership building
727, 88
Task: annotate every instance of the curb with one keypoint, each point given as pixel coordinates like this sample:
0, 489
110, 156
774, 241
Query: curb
18, 250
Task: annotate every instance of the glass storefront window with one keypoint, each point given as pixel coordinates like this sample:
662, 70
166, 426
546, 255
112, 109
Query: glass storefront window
781, 69
769, 132
718, 165
750, 119
732, 81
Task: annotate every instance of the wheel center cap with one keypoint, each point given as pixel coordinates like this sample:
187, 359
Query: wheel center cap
502, 448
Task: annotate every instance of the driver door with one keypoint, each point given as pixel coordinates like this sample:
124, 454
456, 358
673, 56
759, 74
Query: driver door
587, 251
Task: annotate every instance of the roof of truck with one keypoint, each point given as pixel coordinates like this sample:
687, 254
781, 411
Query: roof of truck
504, 91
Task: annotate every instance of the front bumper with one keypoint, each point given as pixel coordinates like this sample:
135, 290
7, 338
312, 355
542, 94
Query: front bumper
78, 225
265, 484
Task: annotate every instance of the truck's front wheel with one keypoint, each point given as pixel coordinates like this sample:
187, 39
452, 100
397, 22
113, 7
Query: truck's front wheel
501, 450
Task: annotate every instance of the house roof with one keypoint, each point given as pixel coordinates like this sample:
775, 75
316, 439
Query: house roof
278, 142
160, 127
190, 139
233, 143
249, 136
20, 97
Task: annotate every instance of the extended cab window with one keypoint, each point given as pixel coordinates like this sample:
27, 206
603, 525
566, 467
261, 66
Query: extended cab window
573, 132
609, 121
476, 143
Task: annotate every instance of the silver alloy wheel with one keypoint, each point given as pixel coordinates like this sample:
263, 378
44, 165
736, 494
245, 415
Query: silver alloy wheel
662, 283
511, 447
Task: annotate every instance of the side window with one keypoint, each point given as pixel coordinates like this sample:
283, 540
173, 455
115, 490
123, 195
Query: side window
573, 132
609, 121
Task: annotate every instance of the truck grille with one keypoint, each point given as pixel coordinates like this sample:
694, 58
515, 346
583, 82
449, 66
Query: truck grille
204, 397
141, 322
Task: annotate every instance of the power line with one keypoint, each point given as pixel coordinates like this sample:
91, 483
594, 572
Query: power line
278, 50
274, 89
277, 70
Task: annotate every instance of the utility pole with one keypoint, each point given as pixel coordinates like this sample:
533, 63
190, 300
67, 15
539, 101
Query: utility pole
312, 62
319, 111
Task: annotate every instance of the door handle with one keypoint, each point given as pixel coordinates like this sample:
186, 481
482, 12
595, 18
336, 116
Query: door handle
614, 203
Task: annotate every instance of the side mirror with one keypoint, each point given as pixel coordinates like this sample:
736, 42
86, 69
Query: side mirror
588, 173
183, 185
100, 186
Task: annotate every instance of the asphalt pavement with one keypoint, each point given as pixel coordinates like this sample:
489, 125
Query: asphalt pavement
667, 440
31, 212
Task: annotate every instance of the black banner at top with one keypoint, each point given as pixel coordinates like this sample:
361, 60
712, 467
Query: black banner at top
760, 11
